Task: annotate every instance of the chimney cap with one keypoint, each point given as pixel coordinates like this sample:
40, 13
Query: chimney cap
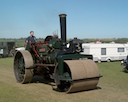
62, 15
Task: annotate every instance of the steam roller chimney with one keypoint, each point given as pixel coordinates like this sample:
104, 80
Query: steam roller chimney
63, 29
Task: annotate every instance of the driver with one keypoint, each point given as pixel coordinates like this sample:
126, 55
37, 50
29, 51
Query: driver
31, 38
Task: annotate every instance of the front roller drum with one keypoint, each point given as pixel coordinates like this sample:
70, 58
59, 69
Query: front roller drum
22, 63
84, 75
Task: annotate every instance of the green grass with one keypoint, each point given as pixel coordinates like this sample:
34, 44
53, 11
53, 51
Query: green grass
113, 84
114, 77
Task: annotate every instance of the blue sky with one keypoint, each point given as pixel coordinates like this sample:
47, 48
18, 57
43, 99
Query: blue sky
85, 18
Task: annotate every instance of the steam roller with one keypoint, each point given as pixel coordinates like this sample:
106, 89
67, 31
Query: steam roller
63, 65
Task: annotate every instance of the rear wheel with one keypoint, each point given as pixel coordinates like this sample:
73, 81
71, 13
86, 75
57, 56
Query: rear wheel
22, 62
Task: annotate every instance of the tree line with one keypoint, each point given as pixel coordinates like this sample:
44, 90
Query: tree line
20, 41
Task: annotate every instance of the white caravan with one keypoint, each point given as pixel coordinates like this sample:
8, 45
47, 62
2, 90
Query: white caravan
105, 51
126, 46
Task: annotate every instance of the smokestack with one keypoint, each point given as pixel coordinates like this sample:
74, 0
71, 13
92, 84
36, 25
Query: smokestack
63, 29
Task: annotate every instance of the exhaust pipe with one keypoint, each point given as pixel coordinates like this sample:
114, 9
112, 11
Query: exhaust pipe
63, 30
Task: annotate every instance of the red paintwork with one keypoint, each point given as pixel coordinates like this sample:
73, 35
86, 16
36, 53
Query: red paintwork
37, 45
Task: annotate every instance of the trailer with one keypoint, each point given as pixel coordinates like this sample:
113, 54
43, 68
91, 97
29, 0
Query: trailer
105, 51
7, 49
126, 46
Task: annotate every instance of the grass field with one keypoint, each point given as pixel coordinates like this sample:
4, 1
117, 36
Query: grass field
113, 84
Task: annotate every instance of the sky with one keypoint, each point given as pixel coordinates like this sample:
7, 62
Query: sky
85, 18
